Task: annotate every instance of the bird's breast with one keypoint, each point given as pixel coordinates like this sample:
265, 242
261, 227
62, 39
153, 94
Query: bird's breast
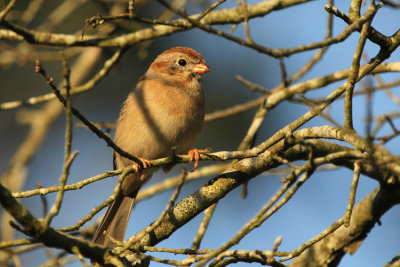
152, 123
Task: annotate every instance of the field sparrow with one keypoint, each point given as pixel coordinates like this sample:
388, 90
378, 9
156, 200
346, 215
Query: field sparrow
164, 112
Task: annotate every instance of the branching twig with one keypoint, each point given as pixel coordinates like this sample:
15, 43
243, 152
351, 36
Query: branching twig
355, 67
97, 209
92, 127
74, 90
356, 24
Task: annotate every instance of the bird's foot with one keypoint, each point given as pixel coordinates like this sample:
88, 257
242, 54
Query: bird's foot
194, 154
145, 164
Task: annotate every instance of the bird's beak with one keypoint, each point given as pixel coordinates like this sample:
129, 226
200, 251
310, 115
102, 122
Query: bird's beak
201, 68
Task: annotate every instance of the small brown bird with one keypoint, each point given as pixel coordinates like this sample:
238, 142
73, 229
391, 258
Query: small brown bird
164, 112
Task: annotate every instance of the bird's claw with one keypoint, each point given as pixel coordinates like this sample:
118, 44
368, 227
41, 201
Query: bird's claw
145, 163
194, 154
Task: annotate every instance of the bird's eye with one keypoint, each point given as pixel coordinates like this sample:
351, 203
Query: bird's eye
182, 62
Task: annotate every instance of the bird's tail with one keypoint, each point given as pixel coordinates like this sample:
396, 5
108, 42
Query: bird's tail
115, 221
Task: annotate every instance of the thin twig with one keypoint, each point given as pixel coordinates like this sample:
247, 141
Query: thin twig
15, 243
78, 254
183, 251
7, 9
68, 115
353, 190
271, 258
203, 226
63, 179
252, 86
210, 8
44, 202
282, 67
314, 240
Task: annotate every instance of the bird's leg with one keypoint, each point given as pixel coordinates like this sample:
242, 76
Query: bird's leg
194, 154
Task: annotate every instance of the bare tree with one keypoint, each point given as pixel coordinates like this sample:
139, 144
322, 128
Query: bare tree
325, 134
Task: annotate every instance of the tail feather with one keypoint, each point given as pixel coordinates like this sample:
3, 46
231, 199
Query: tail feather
115, 221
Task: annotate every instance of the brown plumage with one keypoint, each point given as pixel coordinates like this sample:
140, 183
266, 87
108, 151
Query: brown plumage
164, 112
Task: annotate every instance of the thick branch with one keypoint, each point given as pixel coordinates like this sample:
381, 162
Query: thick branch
47, 235
246, 169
